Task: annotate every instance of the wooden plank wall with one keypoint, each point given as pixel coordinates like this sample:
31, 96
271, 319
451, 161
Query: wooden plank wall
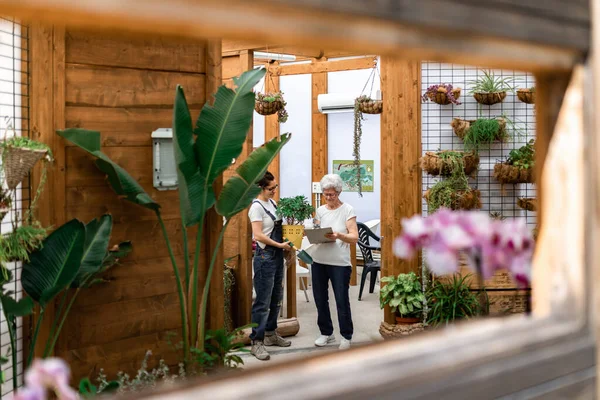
124, 87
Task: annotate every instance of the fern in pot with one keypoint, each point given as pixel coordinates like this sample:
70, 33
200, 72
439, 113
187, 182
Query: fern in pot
294, 210
404, 295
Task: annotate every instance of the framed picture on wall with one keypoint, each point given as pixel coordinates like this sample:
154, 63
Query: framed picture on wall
347, 171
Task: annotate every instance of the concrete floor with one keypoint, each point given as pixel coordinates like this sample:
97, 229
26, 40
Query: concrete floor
366, 316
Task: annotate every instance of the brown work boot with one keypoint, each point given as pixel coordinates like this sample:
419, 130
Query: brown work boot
258, 350
275, 339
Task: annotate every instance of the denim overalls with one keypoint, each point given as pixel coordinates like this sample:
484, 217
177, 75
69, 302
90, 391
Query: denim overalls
268, 282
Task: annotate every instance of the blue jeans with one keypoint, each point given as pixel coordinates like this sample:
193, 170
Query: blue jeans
340, 281
268, 284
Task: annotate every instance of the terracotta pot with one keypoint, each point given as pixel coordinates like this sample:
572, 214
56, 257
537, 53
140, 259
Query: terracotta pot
407, 321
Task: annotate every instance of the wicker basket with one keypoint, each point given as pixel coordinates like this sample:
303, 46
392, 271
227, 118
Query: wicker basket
489, 98
435, 165
267, 108
441, 97
527, 203
506, 173
390, 331
461, 127
526, 96
462, 200
371, 106
18, 161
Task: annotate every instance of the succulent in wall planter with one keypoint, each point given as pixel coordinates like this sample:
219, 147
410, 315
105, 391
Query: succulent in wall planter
482, 131
293, 211
518, 168
490, 89
271, 103
527, 95
404, 295
442, 94
443, 162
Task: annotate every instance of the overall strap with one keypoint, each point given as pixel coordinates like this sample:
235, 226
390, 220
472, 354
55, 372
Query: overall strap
267, 211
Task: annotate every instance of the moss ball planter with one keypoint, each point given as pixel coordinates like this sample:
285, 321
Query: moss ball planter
506, 173
436, 163
527, 203
489, 99
460, 199
526, 95
441, 97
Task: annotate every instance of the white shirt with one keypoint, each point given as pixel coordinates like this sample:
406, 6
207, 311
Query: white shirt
257, 213
338, 252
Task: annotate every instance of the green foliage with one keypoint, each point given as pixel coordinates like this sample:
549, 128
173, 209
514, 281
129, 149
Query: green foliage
451, 301
88, 390
358, 118
219, 349
403, 293
446, 192
483, 131
523, 157
282, 115
22, 241
295, 209
25, 142
490, 83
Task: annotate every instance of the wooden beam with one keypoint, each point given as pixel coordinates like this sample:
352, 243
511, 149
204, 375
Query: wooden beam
319, 130
366, 62
241, 46
400, 152
272, 125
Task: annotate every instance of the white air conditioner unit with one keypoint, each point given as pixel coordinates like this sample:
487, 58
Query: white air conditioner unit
338, 102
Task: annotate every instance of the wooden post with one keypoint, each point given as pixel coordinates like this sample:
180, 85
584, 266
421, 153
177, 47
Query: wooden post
272, 124
319, 130
400, 152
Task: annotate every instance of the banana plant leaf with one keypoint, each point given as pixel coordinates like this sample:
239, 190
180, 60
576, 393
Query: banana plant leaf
97, 235
53, 267
119, 179
240, 190
13, 308
220, 132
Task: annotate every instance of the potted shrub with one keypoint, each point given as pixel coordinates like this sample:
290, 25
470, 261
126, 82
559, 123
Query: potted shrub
442, 94
527, 95
443, 162
452, 300
482, 131
293, 211
271, 103
404, 295
518, 168
490, 89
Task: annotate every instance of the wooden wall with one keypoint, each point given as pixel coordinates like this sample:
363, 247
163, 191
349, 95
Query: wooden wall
123, 87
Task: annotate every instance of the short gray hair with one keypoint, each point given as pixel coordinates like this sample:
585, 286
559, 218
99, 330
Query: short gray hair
332, 181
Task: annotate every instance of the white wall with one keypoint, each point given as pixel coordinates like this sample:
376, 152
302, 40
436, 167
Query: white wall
340, 139
258, 130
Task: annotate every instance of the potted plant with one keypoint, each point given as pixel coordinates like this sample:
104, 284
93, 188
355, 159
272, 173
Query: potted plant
490, 89
475, 133
19, 155
452, 300
271, 103
442, 94
362, 104
527, 95
443, 162
294, 210
404, 295
518, 168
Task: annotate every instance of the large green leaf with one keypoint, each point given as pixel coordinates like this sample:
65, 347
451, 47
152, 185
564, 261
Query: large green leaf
240, 190
53, 267
15, 308
121, 182
97, 235
189, 181
221, 131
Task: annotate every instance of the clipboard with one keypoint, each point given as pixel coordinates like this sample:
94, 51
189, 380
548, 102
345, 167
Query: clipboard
318, 235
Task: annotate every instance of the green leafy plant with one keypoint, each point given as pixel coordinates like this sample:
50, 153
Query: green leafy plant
490, 83
523, 157
282, 114
220, 347
450, 191
484, 131
18, 244
202, 154
403, 293
295, 209
451, 301
88, 390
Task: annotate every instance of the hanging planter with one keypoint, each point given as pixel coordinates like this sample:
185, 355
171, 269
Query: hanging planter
527, 203
271, 103
518, 167
443, 162
482, 131
489, 98
490, 89
527, 95
443, 94
19, 155
468, 199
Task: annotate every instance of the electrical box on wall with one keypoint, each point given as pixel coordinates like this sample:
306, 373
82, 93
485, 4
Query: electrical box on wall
164, 174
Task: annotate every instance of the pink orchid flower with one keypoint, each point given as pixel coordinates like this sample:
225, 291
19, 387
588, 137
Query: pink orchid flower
50, 373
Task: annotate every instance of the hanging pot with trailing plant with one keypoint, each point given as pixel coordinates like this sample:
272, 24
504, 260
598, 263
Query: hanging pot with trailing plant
443, 162
527, 95
270, 103
490, 89
518, 167
442, 94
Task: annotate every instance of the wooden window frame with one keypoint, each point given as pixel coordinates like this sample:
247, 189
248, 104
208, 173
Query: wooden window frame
555, 347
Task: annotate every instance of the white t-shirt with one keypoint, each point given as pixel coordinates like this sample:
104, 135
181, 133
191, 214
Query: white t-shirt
257, 213
338, 252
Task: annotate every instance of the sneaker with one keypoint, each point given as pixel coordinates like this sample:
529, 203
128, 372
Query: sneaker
323, 340
258, 350
344, 344
276, 340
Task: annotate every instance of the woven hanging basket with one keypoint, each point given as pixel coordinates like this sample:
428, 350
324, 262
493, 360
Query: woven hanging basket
462, 199
391, 331
506, 173
489, 98
441, 96
267, 108
526, 96
371, 106
527, 203
434, 164
18, 161
461, 127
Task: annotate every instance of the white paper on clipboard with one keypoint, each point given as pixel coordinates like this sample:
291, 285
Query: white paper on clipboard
318, 235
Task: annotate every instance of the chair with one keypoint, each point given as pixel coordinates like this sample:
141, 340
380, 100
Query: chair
301, 273
370, 265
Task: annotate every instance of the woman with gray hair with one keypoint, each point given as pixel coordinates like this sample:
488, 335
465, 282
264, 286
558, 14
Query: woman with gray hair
332, 262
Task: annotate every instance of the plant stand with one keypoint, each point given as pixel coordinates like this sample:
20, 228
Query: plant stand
392, 331
505, 173
490, 98
435, 164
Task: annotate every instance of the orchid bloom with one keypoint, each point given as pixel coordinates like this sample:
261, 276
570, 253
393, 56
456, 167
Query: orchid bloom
50, 373
489, 244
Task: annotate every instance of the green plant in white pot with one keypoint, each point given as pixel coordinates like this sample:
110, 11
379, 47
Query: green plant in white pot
404, 295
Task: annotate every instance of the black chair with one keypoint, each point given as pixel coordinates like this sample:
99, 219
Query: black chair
369, 265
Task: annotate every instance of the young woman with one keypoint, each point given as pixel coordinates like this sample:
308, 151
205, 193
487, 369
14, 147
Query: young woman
268, 269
